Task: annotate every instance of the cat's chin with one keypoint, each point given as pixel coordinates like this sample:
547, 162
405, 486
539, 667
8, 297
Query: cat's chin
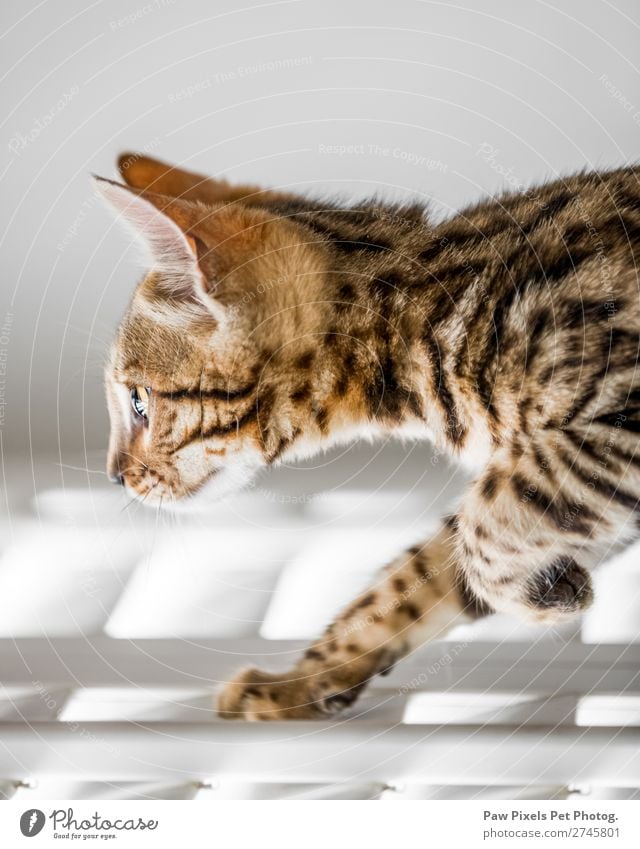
221, 484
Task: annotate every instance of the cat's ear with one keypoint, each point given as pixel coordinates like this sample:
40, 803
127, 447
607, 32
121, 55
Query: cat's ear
144, 172
164, 228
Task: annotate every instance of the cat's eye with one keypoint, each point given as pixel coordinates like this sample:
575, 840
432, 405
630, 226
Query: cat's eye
140, 402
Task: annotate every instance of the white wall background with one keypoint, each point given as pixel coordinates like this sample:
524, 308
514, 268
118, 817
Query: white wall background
444, 101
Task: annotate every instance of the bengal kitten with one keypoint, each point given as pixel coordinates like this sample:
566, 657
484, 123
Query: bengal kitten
271, 326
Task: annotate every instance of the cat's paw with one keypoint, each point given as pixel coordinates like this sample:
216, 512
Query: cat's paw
260, 696
560, 590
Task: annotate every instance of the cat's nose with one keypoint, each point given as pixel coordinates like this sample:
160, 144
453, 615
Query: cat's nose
113, 472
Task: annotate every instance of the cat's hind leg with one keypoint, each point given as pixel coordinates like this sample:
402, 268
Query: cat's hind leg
540, 518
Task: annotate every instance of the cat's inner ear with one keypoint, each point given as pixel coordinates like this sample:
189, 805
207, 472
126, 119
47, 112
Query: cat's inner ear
162, 227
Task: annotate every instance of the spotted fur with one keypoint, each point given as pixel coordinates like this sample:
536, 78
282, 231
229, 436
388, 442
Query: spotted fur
271, 326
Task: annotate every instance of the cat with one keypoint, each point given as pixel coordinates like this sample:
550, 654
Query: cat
271, 326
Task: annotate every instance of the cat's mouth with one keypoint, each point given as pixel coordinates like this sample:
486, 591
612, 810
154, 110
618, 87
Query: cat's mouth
155, 489
180, 498
158, 493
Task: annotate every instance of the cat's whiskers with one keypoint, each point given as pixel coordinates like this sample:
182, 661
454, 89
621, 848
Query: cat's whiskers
135, 500
91, 334
131, 501
137, 460
155, 528
81, 469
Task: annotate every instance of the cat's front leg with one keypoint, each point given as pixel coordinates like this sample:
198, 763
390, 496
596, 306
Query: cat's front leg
418, 597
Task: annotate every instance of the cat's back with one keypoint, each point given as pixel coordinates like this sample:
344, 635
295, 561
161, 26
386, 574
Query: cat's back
548, 234
546, 283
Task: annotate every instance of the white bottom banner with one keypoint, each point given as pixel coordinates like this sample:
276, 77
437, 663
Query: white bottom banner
315, 825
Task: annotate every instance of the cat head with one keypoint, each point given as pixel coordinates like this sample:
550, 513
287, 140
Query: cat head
208, 378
